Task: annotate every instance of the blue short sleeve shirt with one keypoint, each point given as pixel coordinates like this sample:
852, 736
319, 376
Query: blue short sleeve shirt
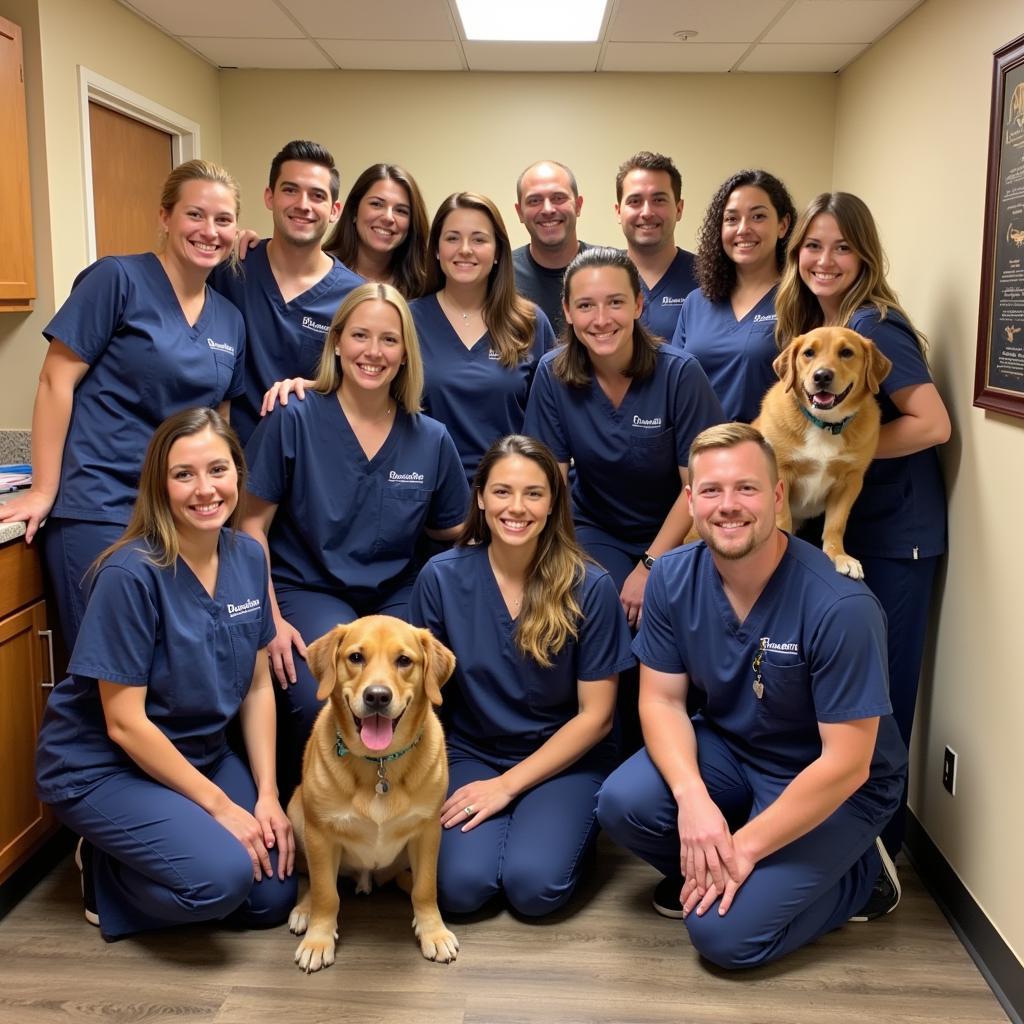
626, 459
345, 521
145, 363
283, 339
500, 700
157, 628
468, 389
822, 642
901, 510
736, 355
663, 302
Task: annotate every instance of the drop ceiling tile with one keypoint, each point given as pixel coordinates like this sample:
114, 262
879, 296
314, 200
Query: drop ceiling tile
259, 53
532, 56
385, 19
371, 55
259, 19
723, 21
838, 21
801, 56
697, 57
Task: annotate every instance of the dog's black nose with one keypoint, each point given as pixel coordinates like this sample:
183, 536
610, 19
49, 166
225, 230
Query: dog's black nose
377, 698
823, 378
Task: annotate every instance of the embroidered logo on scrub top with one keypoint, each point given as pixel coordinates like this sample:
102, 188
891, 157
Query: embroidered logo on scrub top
671, 300
767, 644
220, 346
491, 354
313, 325
252, 605
654, 424
765, 318
405, 478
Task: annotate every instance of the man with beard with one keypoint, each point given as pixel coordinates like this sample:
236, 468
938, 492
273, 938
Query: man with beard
288, 289
548, 203
763, 811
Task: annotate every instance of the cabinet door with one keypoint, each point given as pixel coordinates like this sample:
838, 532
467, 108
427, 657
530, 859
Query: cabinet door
24, 821
17, 260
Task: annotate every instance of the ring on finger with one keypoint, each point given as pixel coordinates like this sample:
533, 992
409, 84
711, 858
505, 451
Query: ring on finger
468, 810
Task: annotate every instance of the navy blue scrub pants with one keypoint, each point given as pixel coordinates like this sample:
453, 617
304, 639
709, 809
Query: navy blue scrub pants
904, 588
69, 547
533, 851
619, 558
159, 859
796, 894
313, 613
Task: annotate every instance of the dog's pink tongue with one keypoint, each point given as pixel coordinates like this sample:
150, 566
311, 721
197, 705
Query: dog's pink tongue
376, 732
824, 399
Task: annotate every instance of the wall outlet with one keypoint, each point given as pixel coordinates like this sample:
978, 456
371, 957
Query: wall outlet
949, 771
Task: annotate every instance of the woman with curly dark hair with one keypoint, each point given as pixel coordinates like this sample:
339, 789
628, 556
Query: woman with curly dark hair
728, 324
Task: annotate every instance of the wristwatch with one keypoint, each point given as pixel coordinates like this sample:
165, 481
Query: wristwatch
647, 560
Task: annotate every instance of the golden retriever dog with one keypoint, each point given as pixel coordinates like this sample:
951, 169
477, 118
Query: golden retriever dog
822, 420
374, 776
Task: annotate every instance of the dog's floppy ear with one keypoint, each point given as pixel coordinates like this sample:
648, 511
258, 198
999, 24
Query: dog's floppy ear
320, 657
439, 663
877, 366
785, 363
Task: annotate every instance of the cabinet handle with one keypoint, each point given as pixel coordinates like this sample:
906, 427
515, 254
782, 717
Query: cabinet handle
48, 633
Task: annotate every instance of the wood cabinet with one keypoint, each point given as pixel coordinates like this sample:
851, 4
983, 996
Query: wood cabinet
25, 667
17, 259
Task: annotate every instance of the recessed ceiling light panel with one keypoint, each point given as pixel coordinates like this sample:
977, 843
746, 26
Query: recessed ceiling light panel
532, 21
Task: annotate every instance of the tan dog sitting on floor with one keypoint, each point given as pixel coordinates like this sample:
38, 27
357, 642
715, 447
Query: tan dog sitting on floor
822, 420
374, 776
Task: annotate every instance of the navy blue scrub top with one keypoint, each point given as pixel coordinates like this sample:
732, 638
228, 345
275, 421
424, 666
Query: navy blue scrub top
541, 285
345, 521
737, 355
824, 658
627, 459
145, 363
283, 339
901, 510
663, 302
498, 699
158, 628
468, 389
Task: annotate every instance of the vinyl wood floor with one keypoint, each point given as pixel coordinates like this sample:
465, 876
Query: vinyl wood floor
607, 959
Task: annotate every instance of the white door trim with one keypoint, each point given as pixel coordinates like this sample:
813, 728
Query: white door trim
94, 87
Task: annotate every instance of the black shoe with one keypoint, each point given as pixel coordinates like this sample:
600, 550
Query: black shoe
885, 895
83, 858
666, 897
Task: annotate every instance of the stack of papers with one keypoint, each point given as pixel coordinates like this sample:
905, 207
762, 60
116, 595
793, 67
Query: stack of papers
15, 477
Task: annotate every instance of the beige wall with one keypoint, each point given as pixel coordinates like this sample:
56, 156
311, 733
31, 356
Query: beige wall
108, 39
911, 139
477, 131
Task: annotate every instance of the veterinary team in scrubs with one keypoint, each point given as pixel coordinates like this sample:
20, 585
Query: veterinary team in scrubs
342, 484
728, 324
764, 810
288, 288
133, 754
539, 639
835, 274
481, 342
138, 338
649, 204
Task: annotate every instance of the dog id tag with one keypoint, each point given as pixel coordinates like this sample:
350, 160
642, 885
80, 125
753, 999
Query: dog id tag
382, 787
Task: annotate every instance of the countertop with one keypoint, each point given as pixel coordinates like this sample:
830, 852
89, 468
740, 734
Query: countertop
10, 531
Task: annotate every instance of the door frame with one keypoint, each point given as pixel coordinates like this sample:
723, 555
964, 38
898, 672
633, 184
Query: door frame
95, 88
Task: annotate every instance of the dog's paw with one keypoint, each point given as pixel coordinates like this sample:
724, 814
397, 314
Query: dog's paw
315, 951
364, 883
437, 943
849, 567
298, 919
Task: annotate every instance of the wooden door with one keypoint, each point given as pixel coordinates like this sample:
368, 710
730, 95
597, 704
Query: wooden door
17, 259
130, 161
